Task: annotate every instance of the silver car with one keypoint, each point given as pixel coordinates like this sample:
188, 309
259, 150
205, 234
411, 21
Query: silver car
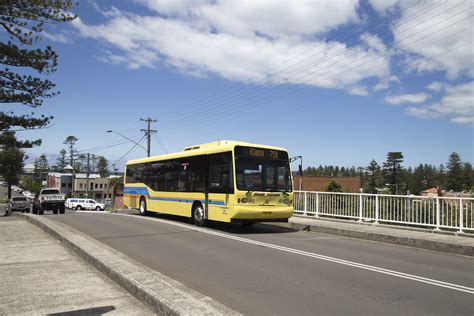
19, 204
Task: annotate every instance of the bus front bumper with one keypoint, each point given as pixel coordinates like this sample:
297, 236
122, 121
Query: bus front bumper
244, 213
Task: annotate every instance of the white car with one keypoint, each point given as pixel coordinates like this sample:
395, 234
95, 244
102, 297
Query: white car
84, 204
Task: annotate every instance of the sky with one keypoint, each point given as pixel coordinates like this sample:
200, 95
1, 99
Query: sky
337, 82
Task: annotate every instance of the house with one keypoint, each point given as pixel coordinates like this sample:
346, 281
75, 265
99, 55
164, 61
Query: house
79, 186
432, 192
317, 183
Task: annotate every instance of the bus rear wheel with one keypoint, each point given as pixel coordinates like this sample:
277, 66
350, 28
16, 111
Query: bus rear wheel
143, 211
198, 215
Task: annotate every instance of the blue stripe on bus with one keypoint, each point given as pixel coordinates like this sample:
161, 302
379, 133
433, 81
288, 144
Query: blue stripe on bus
144, 191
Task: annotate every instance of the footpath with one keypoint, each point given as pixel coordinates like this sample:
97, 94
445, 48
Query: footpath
462, 244
39, 276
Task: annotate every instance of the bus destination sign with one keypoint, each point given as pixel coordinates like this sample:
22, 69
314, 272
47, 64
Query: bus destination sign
260, 153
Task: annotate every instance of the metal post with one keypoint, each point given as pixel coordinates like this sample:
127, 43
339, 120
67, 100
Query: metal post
437, 214
376, 209
317, 204
461, 216
360, 208
88, 173
305, 204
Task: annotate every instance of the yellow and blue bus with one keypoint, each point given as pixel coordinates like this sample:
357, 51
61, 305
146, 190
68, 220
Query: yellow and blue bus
226, 181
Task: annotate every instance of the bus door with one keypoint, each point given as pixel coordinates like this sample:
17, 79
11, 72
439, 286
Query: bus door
220, 185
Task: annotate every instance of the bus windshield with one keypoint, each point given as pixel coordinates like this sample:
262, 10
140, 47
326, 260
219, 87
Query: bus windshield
264, 173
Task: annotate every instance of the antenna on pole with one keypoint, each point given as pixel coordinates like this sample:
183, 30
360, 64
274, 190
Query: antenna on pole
148, 132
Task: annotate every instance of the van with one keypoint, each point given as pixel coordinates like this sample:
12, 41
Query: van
84, 204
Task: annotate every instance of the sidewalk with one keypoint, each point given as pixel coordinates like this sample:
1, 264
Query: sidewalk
38, 275
418, 238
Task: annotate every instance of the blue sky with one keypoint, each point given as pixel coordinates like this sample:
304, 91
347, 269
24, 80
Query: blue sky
338, 82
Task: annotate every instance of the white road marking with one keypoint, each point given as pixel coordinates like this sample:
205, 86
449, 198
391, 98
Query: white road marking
394, 273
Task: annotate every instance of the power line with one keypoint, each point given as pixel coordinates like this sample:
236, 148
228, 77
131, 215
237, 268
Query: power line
191, 113
130, 150
217, 114
250, 80
342, 92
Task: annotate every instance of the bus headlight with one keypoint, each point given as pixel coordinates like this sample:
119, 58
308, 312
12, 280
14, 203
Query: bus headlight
244, 200
286, 201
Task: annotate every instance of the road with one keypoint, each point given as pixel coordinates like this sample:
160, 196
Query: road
276, 270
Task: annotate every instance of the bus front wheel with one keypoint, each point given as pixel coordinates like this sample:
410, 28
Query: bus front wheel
198, 215
143, 211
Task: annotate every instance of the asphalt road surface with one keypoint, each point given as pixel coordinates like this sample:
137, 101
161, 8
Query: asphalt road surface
276, 270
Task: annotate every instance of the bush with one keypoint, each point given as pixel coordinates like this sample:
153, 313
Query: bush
333, 186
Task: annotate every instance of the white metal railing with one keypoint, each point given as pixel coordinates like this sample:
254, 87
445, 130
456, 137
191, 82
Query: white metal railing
434, 212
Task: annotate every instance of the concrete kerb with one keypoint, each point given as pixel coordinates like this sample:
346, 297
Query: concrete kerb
164, 295
437, 245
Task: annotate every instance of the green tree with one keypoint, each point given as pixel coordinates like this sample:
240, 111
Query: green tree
71, 145
22, 23
115, 183
454, 176
61, 162
392, 169
41, 168
102, 166
333, 186
11, 166
468, 176
374, 177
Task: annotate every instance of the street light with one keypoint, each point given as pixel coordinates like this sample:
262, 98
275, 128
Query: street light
111, 131
300, 166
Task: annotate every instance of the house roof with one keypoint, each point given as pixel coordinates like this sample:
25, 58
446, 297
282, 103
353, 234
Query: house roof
316, 183
431, 190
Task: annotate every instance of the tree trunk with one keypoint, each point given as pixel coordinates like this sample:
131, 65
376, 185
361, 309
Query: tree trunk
9, 190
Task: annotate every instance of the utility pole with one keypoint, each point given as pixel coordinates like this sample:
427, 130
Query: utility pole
88, 172
148, 132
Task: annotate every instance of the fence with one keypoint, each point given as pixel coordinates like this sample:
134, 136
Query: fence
434, 212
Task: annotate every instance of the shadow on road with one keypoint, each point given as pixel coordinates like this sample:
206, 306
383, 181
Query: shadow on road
258, 228
87, 311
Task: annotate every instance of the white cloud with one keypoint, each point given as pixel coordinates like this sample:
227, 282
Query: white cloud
385, 83
380, 5
244, 18
58, 37
436, 86
194, 40
359, 90
429, 37
457, 104
374, 42
407, 98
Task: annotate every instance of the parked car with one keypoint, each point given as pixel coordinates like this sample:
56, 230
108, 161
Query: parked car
18, 204
49, 199
84, 204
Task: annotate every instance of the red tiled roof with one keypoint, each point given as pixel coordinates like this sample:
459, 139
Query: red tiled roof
314, 183
431, 190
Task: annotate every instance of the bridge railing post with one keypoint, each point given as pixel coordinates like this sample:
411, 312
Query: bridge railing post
461, 216
305, 204
376, 209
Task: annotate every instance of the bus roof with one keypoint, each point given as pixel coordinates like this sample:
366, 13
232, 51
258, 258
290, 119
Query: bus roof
208, 148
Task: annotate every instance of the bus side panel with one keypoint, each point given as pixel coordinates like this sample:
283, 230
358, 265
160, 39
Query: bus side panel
173, 203
132, 194
220, 207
